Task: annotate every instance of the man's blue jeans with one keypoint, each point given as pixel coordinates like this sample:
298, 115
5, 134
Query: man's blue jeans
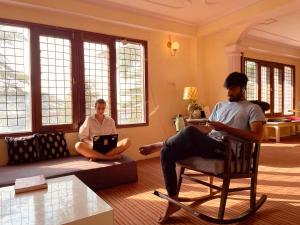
187, 143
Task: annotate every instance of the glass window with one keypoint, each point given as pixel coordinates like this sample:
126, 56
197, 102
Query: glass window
96, 75
56, 91
288, 90
15, 88
277, 91
70, 70
276, 85
130, 60
251, 71
265, 85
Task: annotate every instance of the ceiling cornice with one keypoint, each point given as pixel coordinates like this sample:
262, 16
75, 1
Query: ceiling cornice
252, 14
261, 45
274, 38
106, 14
142, 12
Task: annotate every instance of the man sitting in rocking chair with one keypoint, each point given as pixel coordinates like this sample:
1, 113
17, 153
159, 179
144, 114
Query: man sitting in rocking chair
236, 117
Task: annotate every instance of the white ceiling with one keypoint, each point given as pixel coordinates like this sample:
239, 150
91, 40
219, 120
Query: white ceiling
195, 12
283, 29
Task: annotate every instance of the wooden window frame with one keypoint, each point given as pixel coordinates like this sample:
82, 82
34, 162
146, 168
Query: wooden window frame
77, 38
272, 65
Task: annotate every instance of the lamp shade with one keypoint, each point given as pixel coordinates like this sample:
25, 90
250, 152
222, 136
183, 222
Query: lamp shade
175, 46
190, 93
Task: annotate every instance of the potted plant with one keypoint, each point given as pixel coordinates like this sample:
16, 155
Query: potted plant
194, 110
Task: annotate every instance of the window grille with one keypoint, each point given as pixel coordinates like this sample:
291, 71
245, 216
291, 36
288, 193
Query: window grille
130, 83
288, 90
96, 76
277, 90
252, 87
56, 91
265, 85
276, 85
15, 87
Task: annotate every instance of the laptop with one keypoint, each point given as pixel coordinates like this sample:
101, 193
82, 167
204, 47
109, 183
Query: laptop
104, 143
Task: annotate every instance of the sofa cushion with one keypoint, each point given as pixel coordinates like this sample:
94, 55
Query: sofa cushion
22, 149
97, 175
214, 166
52, 146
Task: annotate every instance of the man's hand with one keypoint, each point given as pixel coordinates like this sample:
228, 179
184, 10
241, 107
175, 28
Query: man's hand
218, 126
255, 133
204, 129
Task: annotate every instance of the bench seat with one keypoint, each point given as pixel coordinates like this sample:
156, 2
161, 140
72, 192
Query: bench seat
292, 125
97, 175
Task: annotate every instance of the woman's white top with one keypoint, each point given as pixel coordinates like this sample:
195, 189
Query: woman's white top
92, 127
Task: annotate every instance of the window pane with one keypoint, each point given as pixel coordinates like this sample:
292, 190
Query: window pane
252, 87
96, 75
15, 101
277, 90
130, 83
265, 85
56, 92
288, 90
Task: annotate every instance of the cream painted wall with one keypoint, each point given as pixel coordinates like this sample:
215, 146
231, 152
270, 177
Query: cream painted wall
212, 63
201, 61
167, 75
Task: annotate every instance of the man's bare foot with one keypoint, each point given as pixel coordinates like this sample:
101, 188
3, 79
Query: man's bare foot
149, 149
171, 209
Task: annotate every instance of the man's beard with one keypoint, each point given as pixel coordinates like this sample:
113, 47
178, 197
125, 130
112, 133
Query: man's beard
234, 98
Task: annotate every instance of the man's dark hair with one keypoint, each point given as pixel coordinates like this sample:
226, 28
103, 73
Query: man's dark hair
100, 101
236, 79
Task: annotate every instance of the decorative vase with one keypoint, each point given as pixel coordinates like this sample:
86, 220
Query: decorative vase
196, 114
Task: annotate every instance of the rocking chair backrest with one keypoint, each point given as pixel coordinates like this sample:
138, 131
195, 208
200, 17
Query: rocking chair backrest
244, 157
245, 153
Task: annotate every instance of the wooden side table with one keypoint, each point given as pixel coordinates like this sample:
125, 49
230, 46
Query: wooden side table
201, 121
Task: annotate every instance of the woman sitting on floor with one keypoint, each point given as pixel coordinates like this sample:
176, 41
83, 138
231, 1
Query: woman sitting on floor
96, 125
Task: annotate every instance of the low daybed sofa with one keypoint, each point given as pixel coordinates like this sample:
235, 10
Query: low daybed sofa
97, 175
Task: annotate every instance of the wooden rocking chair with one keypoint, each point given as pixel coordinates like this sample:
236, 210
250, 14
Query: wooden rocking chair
238, 164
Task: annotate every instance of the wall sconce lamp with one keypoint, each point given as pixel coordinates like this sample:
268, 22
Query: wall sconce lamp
173, 46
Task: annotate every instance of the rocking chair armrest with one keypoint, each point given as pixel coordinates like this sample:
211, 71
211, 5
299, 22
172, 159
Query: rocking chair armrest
229, 138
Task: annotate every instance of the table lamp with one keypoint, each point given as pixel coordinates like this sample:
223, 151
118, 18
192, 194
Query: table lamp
190, 94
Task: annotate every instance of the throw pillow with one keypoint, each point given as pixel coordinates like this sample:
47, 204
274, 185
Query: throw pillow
22, 149
52, 146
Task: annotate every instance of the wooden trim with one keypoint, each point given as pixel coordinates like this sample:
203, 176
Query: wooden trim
131, 125
34, 77
146, 85
76, 71
146, 115
77, 37
259, 81
294, 88
36, 49
80, 79
113, 80
273, 65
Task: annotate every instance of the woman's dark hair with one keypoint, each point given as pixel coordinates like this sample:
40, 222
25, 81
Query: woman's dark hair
100, 101
236, 79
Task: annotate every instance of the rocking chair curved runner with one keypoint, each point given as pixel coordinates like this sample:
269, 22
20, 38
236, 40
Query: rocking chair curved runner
241, 161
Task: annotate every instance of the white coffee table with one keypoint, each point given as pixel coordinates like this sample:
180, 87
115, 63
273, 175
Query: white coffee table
66, 201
